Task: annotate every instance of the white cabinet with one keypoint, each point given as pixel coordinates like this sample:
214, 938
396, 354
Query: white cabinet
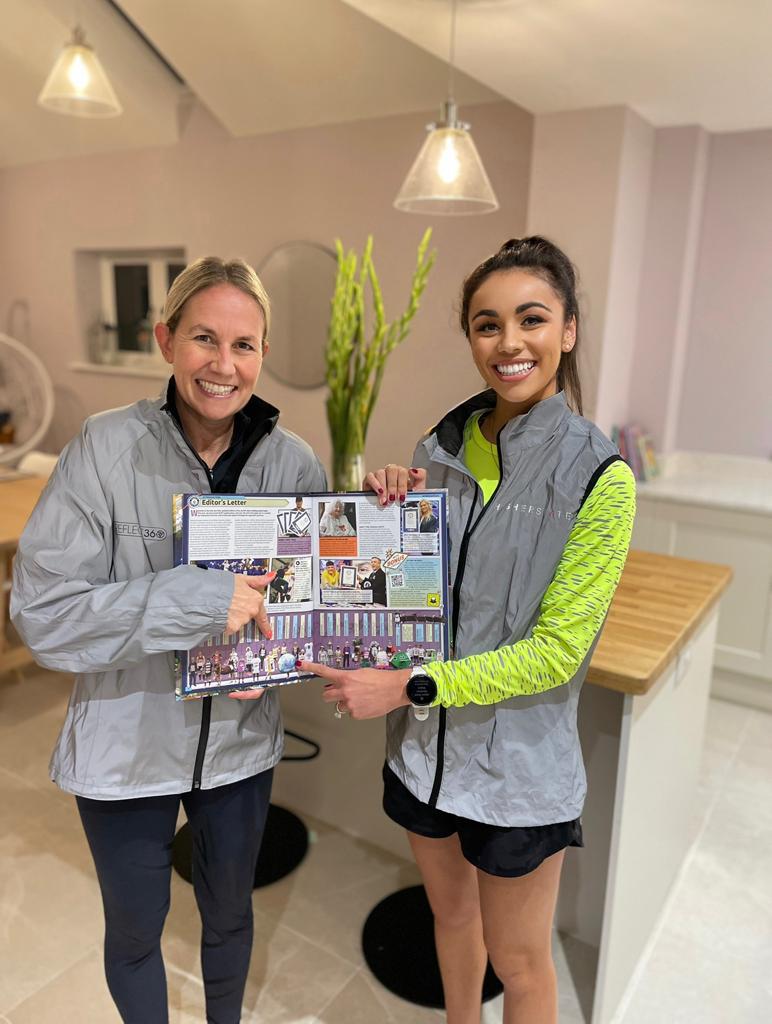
742, 539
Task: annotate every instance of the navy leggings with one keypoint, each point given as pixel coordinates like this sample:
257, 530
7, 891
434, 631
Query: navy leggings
131, 843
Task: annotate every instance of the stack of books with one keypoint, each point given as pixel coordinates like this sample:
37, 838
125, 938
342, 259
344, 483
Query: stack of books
637, 450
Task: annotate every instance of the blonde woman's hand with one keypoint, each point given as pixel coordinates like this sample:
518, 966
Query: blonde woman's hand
248, 602
393, 482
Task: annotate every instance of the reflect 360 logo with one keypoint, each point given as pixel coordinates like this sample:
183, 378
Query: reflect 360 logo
143, 532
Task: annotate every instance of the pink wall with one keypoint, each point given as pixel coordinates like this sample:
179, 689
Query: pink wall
215, 194
590, 182
667, 281
725, 401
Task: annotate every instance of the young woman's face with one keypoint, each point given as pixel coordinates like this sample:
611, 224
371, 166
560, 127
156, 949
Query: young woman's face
518, 334
216, 351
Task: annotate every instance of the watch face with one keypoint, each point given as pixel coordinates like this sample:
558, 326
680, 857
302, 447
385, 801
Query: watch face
421, 690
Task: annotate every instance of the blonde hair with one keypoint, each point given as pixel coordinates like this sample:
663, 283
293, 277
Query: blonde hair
206, 272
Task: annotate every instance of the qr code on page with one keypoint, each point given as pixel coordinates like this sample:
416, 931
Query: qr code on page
397, 580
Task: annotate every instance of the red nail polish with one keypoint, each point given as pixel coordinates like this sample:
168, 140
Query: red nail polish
392, 497
402, 497
298, 664
380, 490
413, 469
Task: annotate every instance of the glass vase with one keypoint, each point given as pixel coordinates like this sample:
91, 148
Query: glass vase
348, 471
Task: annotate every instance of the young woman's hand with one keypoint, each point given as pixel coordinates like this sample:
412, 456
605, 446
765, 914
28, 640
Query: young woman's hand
363, 693
393, 482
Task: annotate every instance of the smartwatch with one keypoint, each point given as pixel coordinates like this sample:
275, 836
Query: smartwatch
421, 691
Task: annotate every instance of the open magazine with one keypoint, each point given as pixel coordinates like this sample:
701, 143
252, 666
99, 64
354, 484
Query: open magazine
356, 585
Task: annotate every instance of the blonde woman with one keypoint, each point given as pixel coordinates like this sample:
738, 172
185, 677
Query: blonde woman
108, 605
428, 522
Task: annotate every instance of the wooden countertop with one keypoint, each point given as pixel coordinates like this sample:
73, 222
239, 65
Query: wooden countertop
659, 605
17, 499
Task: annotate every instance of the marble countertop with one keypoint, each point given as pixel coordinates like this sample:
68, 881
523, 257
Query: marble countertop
731, 482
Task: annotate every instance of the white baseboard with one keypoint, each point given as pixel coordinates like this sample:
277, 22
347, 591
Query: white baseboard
752, 691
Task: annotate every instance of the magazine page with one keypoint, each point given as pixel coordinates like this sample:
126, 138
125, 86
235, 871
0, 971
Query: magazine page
380, 581
355, 585
254, 535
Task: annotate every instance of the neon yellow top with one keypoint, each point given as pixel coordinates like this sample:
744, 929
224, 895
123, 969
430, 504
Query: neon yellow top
481, 457
574, 605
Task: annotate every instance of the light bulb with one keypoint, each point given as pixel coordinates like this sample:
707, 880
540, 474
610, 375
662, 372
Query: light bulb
448, 165
77, 74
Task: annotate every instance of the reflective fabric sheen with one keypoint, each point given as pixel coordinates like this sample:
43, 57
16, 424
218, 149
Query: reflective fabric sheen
95, 594
517, 761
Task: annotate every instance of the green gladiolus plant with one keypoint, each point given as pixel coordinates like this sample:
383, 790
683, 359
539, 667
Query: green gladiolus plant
355, 356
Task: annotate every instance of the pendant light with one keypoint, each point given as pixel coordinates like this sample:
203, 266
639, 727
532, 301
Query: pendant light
78, 84
448, 176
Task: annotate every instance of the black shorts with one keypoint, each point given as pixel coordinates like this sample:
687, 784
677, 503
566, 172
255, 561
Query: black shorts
497, 850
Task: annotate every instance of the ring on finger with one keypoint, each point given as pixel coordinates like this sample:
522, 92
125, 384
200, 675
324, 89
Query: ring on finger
340, 711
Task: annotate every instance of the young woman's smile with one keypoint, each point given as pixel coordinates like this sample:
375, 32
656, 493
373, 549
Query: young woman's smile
518, 334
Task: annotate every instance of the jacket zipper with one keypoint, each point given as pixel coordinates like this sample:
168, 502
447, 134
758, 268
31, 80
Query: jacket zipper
206, 702
468, 531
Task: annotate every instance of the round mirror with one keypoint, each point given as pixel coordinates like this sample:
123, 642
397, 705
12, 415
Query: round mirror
300, 279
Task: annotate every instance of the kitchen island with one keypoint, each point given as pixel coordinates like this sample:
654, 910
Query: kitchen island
641, 723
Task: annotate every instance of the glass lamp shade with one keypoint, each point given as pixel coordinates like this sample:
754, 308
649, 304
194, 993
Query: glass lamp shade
448, 176
78, 84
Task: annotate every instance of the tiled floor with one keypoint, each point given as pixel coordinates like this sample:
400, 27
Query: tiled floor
711, 961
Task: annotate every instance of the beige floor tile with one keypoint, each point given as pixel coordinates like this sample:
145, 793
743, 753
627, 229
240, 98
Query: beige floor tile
364, 1001
328, 897
78, 995
290, 979
726, 721
50, 909
759, 728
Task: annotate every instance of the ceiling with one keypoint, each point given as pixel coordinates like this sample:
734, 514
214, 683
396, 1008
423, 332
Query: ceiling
271, 65
706, 62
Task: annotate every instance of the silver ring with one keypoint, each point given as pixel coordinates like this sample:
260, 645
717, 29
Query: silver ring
339, 711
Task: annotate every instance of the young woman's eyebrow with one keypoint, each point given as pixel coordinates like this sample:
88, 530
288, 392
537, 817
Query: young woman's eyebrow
518, 310
527, 305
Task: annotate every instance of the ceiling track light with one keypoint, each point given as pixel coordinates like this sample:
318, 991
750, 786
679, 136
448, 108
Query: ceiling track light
77, 84
447, 176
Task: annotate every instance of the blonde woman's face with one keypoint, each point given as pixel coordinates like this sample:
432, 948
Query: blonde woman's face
215, 351
425, 508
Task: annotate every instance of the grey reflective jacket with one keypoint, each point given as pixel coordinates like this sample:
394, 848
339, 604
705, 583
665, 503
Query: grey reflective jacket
518, 762
95, 594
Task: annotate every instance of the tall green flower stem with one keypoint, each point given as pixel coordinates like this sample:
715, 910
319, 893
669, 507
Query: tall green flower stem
356, 356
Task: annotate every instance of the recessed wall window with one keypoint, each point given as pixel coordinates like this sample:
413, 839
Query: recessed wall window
120, 295
133, 291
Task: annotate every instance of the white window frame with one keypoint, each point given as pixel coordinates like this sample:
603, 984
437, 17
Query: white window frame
157, 263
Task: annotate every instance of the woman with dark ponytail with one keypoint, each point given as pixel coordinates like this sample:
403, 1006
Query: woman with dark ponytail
490, 786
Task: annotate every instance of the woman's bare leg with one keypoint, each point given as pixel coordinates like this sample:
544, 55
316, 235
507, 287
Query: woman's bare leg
517, 918
451, 886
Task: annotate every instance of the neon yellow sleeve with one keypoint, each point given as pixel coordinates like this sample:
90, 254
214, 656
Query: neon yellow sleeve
572, 611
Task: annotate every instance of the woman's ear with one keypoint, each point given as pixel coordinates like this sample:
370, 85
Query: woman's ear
569, 335
164, 338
